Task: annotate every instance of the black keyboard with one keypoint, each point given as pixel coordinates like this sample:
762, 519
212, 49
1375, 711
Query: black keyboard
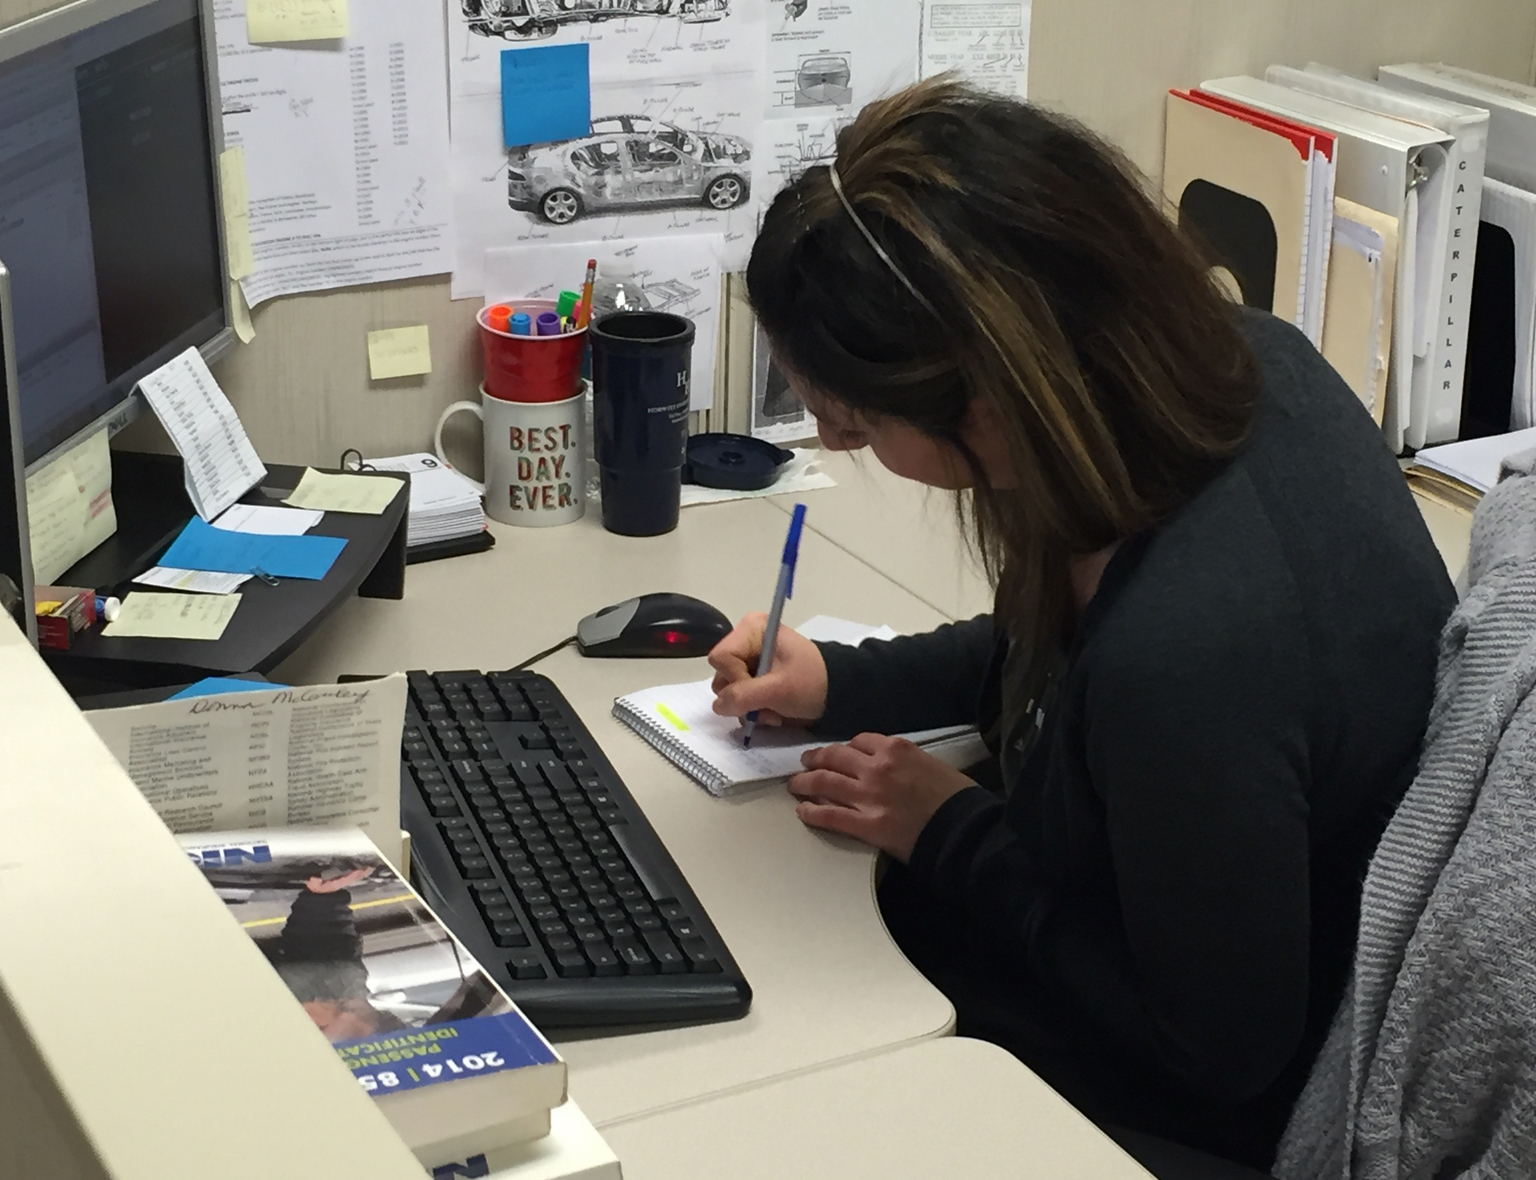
532, 851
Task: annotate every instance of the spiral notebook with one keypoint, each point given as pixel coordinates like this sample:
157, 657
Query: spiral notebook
678, 720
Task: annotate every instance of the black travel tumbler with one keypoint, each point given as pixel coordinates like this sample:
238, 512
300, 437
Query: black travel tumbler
640, 368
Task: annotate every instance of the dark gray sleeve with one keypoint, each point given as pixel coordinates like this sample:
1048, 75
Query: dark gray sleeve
907, 683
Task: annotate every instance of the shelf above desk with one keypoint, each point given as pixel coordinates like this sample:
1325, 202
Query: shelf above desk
271, 622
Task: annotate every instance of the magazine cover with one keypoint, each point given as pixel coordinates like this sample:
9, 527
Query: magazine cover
403, 1004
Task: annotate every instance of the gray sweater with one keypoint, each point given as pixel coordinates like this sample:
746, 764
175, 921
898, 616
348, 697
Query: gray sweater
1430, 1068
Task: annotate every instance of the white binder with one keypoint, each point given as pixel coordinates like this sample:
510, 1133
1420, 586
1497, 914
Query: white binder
1511, 105
1396, 168
1436, 402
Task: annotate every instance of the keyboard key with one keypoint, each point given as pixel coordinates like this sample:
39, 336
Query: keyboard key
501, 913
572, 964
509, 934
543, 913
604, 962
441, 806
672, 911
634, 957
686, 928
560, 942
647, 922
474, 866
535, 741
553, 926
666, 953
525, 965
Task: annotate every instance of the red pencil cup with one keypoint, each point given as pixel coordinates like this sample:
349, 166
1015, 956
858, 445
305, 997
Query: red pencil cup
531, 368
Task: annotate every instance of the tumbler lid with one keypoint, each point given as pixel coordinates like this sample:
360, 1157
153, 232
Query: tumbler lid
734, 461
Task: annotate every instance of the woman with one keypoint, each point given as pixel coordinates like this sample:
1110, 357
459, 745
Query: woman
1212, 651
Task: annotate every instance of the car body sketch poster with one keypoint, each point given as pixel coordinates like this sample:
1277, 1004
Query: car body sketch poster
826, 55
666, 157
345, 149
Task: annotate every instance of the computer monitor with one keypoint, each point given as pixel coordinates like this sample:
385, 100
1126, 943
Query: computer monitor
15, 551
109, 208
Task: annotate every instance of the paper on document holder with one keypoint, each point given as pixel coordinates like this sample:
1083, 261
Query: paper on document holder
203, 547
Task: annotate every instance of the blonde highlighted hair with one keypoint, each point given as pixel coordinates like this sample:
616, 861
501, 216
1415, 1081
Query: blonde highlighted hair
1052, 287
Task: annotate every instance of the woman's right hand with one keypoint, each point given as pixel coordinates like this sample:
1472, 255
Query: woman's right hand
793, 691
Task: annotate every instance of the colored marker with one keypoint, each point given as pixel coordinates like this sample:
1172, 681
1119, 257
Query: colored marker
520, 324
586, 293
781, 594
565, 303
548, 324
497, 317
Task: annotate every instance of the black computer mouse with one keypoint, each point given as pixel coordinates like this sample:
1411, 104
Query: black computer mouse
652, 625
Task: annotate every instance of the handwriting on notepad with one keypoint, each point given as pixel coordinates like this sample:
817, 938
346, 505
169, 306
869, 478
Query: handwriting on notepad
295, 20
173, 616
399, 352
368, 494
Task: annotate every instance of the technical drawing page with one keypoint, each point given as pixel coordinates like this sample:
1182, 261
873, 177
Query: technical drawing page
631, 40
787, 147
825, 55
666, 158
985, 41
346, 153
680, 274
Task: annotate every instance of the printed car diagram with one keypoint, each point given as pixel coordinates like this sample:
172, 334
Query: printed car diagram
534, 20
628, 161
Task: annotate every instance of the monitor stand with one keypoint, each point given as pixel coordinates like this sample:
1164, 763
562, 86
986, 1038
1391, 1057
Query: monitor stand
271, 621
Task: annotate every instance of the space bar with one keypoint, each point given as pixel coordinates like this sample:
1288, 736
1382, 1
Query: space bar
657, 890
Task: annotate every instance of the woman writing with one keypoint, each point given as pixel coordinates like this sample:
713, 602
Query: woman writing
1212, 651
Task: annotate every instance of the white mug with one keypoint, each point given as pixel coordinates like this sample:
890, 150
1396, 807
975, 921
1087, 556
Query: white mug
534, 473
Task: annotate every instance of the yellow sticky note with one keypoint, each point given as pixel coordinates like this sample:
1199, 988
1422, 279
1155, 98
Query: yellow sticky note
173, 616
240, 314
368, 494
237, 212
295, 20
399, 352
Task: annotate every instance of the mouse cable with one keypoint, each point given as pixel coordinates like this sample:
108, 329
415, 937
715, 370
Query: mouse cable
548, 651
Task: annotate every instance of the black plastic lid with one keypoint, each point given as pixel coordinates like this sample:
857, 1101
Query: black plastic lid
735, 461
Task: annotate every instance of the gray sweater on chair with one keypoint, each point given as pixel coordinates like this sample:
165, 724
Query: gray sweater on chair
1430, 1068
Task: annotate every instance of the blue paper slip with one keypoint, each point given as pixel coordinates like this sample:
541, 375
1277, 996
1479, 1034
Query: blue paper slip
212, 686
546, 94
203, 547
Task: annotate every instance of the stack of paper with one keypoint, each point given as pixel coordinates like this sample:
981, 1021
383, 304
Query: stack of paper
1459, 474
444, 505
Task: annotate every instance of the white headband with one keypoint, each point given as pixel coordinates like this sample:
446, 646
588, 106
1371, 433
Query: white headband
837, 187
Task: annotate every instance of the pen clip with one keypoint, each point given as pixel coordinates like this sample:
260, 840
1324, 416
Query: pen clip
264, 576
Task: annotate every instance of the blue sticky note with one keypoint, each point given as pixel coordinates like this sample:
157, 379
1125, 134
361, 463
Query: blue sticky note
546, 94
203, 547
212, 686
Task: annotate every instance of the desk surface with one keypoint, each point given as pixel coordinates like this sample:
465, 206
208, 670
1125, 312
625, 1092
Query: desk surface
796, 908
952, 1107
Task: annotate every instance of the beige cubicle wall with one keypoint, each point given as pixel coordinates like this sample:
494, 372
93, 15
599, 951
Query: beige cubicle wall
302, 385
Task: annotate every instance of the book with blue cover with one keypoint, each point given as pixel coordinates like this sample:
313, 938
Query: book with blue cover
450, 1060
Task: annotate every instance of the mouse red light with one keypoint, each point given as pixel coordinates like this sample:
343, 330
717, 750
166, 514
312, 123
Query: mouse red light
672, 638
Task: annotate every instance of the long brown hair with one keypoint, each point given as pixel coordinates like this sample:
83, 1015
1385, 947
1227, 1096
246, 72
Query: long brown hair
1050, 286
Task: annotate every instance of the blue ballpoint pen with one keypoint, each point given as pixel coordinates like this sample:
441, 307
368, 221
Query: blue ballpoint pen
781, 593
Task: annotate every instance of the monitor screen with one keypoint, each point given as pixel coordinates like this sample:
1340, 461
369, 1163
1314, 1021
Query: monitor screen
108, 213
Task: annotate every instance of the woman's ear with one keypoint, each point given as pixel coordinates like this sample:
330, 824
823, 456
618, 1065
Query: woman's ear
981, 430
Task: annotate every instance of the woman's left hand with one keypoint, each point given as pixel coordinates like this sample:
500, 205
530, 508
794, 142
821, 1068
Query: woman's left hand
881, 790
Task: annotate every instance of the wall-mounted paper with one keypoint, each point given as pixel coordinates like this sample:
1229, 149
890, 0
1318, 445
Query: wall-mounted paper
69, 507
984, 41
346, 150
172, 616
237, 212
296, 20
366, 494
546, 94
399, 352
240, 314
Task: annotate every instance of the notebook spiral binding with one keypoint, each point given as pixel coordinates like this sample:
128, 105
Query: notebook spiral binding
707, 776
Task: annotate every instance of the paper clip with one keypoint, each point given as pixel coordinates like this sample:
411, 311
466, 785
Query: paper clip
264, 576
352, 460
